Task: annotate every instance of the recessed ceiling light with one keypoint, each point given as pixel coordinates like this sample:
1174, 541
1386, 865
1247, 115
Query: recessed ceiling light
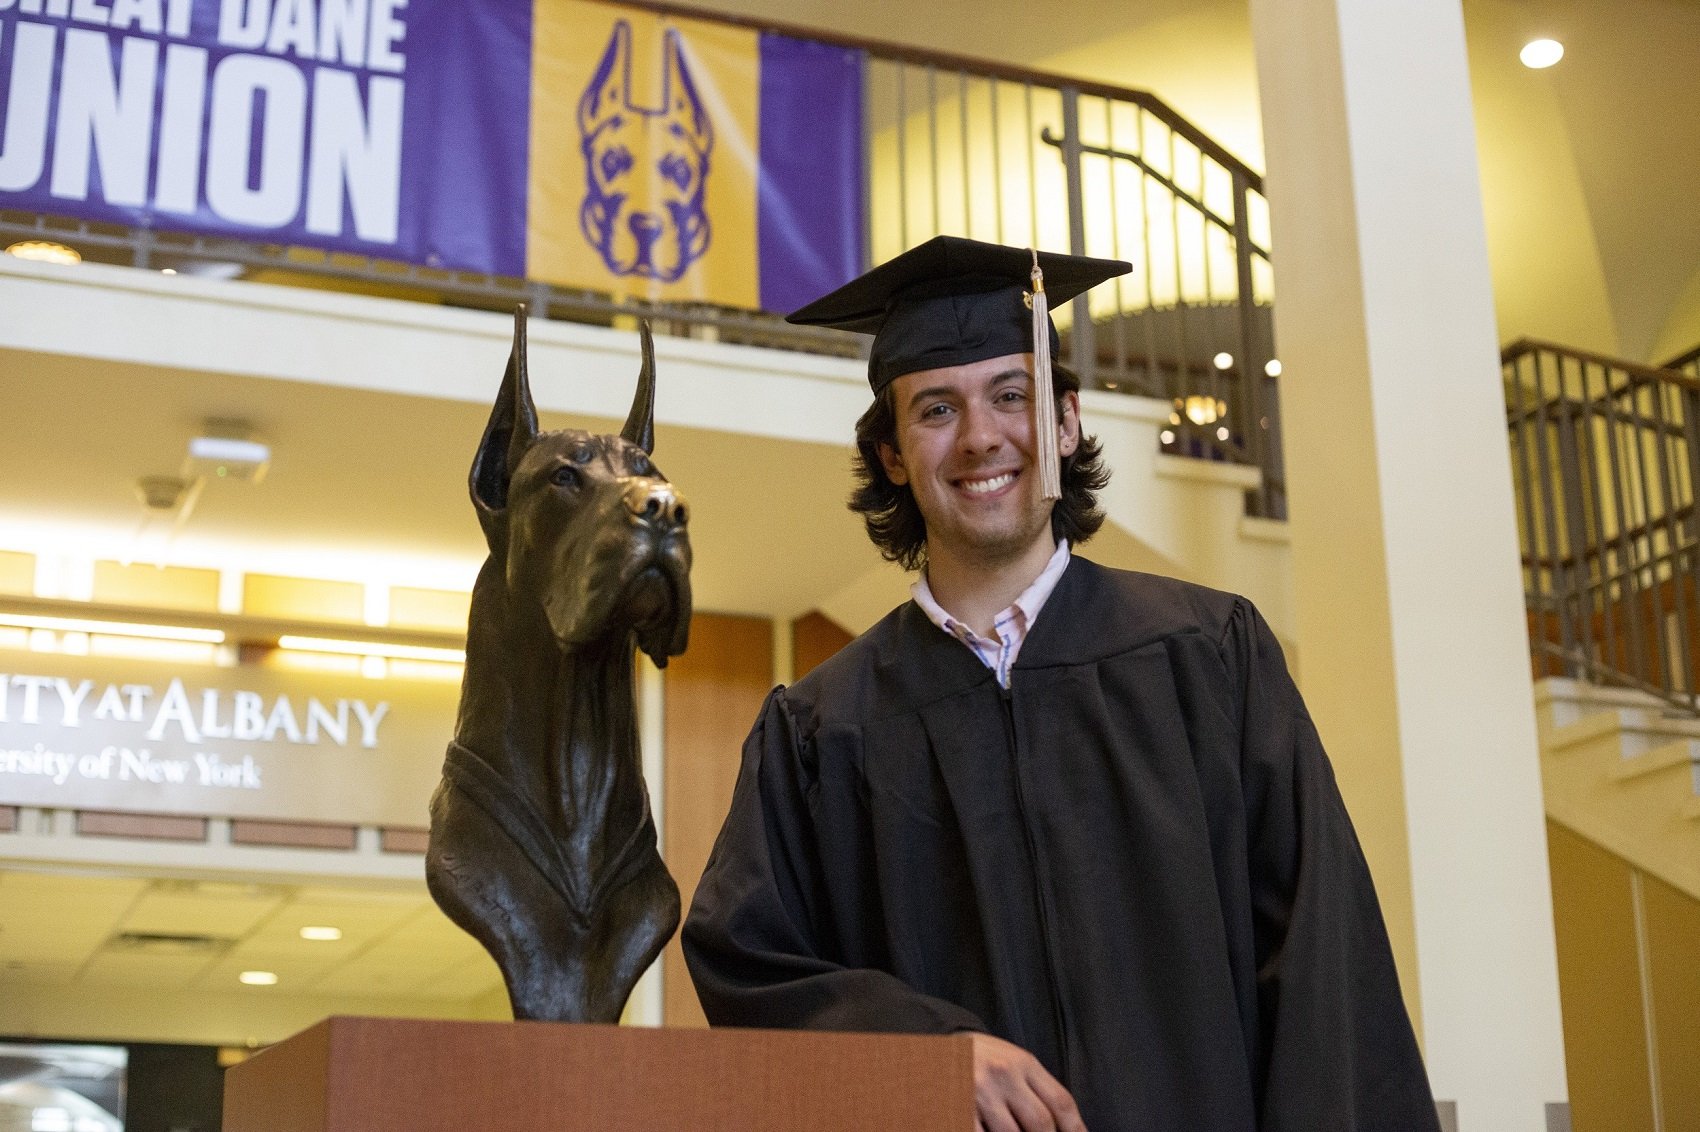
321, 932
45, 251
1272, 367
258, 978
1541, 53
1224, 360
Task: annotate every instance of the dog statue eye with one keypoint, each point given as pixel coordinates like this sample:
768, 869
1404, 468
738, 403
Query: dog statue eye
641, 465
564, 476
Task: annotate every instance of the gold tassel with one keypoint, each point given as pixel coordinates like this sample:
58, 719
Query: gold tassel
1044, 391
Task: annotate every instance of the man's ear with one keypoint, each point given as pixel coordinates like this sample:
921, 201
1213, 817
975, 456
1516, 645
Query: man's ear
893, 464
1068, 425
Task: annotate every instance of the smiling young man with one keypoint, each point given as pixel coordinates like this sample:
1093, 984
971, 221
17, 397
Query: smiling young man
1078, 813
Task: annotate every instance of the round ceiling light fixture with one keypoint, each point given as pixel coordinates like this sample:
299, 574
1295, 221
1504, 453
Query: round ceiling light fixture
45, 251
1538, 54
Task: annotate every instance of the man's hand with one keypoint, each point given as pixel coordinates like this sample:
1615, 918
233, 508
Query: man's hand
1014, 1093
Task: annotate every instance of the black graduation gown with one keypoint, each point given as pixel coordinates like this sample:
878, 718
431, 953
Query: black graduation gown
1135, 864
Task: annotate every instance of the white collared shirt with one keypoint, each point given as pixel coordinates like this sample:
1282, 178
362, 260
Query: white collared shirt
1011, 626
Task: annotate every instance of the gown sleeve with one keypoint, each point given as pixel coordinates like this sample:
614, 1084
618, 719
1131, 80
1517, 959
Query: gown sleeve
754, 940
1336, 1047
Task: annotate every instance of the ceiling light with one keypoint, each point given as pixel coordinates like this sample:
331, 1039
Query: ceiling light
1224, 360
1538, 54
321, 933
258, 978
113, 628
45, 251
228, 457
1167, 436
372, 648
1272, 367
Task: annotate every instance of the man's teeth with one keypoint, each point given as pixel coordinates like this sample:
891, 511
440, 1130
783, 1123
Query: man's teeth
981, 487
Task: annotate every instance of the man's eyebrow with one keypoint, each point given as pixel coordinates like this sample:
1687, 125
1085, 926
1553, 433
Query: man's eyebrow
931, 391
1014, 373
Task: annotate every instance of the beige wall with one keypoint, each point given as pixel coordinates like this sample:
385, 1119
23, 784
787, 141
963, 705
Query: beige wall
1630, 987
713, 693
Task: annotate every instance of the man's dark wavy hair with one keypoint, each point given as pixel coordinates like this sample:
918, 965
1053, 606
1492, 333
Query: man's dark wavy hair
894, 520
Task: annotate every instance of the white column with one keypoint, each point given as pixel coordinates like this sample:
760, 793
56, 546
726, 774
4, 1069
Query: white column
1407, 591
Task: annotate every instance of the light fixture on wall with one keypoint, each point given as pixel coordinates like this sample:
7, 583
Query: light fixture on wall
113, 628
371, 648
45, 251
1201, 409
1539, 54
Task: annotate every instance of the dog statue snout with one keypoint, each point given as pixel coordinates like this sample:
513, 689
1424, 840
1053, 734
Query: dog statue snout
655, 502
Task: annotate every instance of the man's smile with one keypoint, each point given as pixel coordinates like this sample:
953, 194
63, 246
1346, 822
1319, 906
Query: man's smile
987, 486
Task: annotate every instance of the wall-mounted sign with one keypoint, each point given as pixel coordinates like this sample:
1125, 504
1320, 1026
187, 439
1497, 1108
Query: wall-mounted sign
98, 733
573, 142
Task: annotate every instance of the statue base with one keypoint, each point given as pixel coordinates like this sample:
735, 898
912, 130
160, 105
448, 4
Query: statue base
404, 1075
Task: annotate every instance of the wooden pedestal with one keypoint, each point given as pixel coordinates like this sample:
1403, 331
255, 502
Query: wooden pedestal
398, 1075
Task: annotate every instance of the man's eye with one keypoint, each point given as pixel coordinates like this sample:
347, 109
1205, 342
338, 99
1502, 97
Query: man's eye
936, 409
564, 476
1012, 395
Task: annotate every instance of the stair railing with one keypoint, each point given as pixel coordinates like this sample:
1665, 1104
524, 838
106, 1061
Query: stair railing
1605, 457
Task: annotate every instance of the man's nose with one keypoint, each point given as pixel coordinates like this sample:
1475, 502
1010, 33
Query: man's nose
981, 430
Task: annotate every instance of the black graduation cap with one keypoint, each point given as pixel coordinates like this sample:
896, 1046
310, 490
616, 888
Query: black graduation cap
951, 301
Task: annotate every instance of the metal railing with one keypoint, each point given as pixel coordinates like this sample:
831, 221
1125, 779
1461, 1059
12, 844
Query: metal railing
1685, 363
959, 146
1605, 457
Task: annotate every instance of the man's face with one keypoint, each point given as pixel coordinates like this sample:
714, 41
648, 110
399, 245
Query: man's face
965, 448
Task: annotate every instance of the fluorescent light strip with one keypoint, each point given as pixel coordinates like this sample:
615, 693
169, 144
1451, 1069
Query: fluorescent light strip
229, 449
372, 648
113, 628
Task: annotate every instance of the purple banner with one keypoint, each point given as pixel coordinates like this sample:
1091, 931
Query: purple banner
810, 194
392, 128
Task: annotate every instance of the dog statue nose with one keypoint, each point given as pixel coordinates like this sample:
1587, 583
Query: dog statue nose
655, 503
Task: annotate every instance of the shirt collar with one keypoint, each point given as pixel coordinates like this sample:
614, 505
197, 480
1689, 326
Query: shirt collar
1028, 604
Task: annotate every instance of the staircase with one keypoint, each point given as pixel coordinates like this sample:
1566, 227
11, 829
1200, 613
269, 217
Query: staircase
1622, 768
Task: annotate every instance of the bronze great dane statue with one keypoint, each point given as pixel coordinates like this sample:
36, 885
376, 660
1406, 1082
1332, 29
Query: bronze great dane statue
542, 845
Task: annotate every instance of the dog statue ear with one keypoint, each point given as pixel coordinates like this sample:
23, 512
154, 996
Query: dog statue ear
640, 422
512, 428
606, 93
683, 104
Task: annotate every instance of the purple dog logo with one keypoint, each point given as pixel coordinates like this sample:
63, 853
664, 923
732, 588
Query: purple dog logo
646, 167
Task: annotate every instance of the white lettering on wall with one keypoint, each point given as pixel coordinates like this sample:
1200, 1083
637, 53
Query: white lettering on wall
71, 699
369, 720
192, 716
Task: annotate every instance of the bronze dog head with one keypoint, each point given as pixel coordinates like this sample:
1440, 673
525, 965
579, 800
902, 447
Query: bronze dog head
585, 522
